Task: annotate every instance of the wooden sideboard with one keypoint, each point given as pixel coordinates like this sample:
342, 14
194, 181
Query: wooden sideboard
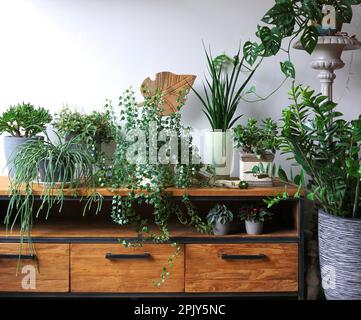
81, 256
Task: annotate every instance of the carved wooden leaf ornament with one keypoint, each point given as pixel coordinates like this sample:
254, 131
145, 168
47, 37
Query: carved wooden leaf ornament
174, 89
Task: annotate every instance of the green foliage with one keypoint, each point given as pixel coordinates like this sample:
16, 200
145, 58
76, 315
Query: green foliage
219, 214
147, 182
254, 212
257, 139
96, 127
223, 90
64, 168
24, 120
288, 19
327, 148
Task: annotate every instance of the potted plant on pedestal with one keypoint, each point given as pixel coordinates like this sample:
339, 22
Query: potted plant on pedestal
221, 219
22, 122
258, 145
289, 19
223, 91
327, 147
254, 217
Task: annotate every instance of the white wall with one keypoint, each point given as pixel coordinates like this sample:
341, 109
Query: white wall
79, 52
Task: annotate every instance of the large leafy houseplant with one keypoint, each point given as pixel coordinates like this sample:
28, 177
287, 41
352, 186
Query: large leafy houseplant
290, 19
327, 148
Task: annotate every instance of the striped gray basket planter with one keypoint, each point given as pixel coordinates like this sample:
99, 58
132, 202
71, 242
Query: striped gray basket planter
340, 256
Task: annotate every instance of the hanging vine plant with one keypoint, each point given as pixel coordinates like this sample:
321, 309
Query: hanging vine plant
162, 155
60, 169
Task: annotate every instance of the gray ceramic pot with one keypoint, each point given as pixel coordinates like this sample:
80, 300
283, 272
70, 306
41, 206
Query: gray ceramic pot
11, 147
253, 227
340, 256
222, 229
58, 172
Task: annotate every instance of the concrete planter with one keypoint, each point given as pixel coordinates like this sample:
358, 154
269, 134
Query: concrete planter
220, 229
340, 256
246, 163
11, 147
58, 172
219, 151
253, 227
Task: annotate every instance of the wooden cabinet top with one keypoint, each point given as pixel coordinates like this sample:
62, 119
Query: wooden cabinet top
277, 188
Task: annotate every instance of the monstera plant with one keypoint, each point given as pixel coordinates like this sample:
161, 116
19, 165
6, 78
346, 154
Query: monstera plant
290, 19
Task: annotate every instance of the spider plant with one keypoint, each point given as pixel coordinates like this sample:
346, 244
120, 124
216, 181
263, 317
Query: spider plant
64, 168
223, 90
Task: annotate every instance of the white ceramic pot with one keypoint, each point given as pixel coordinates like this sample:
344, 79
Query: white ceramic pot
253, 227
219, 151
246, 163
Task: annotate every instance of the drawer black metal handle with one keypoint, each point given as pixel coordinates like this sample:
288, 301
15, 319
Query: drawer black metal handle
18, 256
112, 256
243, 256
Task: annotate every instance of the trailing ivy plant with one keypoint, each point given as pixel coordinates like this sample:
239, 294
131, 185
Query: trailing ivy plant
24, 120
147, 181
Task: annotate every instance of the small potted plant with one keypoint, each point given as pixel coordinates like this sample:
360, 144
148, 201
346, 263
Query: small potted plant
254, 217
258, 145
220, 218
222, 91
22, 122
93, 129
54, 163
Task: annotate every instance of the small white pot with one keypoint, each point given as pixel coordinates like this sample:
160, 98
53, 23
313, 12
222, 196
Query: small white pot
253, 227
246, 163
219, 151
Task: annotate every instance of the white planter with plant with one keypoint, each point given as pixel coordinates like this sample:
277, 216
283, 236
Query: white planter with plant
219, 151
22, 122
222, 93
254, 217
258, 145
220, 218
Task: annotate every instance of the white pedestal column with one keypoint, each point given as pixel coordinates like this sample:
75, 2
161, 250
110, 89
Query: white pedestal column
326, 58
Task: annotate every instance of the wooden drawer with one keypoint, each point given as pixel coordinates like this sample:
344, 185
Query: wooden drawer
241, 268
92, 271
49, 272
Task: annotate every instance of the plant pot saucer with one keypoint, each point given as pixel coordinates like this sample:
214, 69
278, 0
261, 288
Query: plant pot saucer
54, 185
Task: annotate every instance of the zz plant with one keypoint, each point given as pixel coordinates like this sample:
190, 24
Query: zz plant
327, 148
